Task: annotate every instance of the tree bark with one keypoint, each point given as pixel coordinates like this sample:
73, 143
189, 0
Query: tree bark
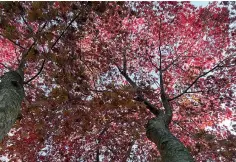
11, 97
170, 148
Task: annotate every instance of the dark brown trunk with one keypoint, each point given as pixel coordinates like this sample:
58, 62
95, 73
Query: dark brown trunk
11, 97
171, 149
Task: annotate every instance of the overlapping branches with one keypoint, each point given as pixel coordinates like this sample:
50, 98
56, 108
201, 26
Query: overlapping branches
219, 65
154, 110
24, 55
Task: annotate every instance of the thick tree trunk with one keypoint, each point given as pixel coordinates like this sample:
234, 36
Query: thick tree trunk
171, 149
11, 96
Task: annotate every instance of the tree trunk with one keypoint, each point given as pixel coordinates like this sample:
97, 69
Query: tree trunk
11, 97
171, 149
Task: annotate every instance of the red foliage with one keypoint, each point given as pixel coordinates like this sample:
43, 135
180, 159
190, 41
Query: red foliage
81, 103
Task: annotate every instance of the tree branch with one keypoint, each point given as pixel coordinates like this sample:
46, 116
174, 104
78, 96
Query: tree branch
127, 155
17, 44
64, 31
196, 79
150, 59
24, 55
217, 66
5, 66
124, 63
26, 23
40, 70
166, 104
159, 48
151, 107
180, 55
98, 141
196, 92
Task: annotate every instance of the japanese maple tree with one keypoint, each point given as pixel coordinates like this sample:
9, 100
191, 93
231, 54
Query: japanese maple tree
105, 69
171, 53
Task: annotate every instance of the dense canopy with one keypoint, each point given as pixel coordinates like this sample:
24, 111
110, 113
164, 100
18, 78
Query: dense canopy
95, 73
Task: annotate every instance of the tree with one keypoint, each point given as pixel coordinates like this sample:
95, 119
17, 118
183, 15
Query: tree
109, 67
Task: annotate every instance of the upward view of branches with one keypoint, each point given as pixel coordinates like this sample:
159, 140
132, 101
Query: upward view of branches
117, 81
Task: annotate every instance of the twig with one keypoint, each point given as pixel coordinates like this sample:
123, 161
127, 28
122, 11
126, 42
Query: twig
186, 90
99, 140
151, 107
129, 150
17, 44
6, 66
40, 70
196, 92
180, 55
197, 78
29, 27
64, 31
24, 55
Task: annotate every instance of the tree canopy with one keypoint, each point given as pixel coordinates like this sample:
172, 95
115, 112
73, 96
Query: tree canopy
95, 73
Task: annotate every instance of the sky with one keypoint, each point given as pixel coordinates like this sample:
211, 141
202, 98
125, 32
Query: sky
200, 3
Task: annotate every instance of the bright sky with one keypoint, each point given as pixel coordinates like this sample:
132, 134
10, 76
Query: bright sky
200, 3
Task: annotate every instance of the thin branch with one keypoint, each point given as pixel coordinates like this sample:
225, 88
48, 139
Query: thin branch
5, 66
26, 23
40, 70
22, 9
214, 68
180, 55
124, 63
64, 31
167, 106
17, 44
127, 155
98, 141
159, 47
99, 91
158, 69
176, 65
131, 82
196, 92
154, 110
39, 30
104, 130
228, 66
150, 59
150, 106
186, 90
24, 55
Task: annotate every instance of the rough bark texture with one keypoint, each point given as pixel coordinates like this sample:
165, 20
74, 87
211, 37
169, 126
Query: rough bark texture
11, 96
171, 149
